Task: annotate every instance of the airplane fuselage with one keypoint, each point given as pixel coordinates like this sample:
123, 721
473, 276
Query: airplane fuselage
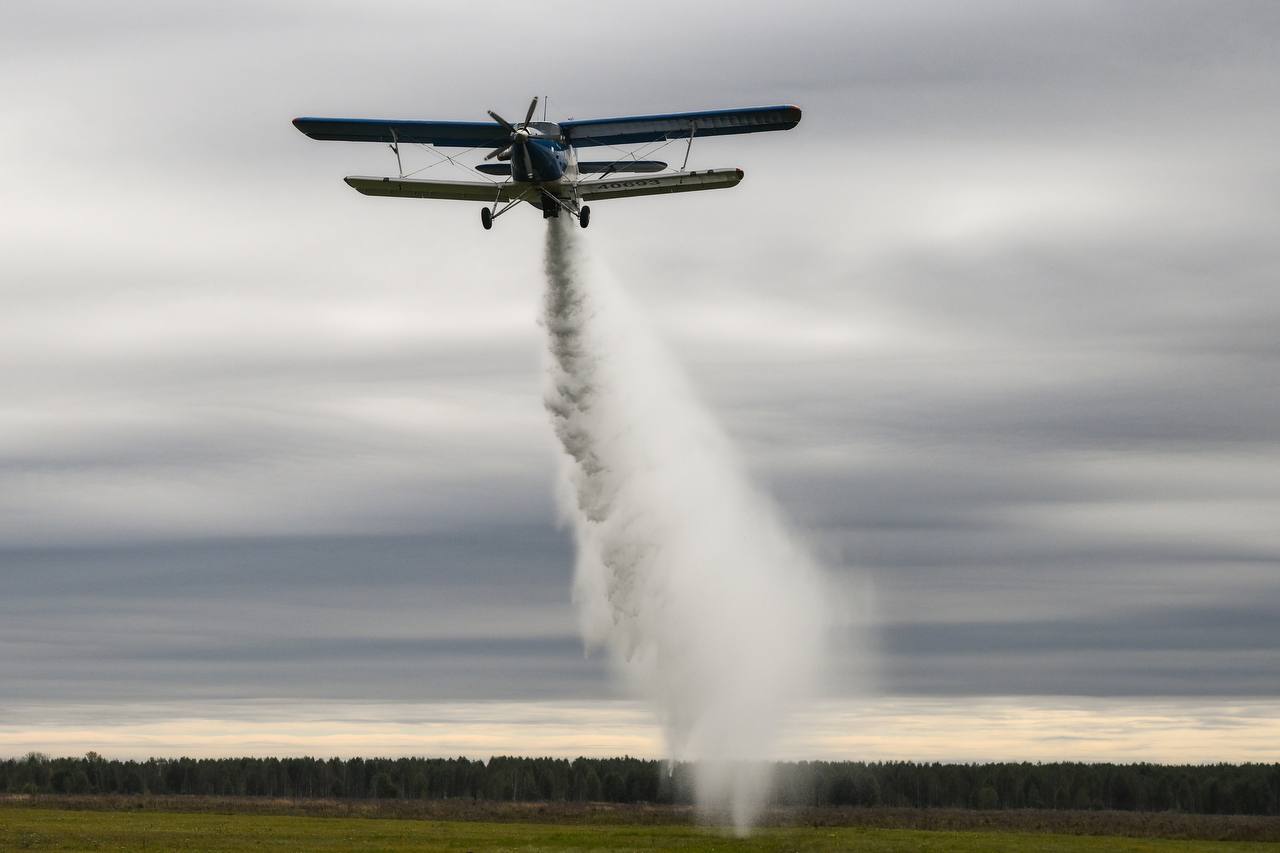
539, 161
542, 158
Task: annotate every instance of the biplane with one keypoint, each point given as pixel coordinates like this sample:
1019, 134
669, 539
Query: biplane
537, 161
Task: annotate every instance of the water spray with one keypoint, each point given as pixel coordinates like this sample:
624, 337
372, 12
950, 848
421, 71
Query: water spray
685, 574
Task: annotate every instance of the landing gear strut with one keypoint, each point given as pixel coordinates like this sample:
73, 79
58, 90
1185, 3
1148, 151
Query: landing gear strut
584, 216
486, 218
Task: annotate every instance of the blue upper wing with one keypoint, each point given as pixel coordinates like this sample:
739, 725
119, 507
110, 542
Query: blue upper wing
631, 129
459, 134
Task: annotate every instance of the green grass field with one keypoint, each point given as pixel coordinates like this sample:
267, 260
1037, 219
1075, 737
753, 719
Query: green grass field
25, 828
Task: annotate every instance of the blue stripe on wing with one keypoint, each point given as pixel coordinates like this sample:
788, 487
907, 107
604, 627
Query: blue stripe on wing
458, 134
632, 129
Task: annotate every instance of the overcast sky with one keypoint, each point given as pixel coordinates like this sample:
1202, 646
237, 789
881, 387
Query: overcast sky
996, 324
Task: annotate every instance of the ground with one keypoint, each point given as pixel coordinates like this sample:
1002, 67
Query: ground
225, 824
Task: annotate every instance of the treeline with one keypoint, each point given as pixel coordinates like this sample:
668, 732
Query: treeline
1208, 788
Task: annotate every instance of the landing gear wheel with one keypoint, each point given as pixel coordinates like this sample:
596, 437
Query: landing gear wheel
486, 218
584, 216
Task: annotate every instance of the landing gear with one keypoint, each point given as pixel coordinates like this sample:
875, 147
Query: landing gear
486, 218
553, 204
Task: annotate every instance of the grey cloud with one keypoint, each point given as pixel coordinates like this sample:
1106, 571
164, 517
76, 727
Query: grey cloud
1184, 629
1164, 673
455, 615
1179, 651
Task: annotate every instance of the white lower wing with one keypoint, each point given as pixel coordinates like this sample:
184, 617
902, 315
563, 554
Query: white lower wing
678, 182
591, 190
456, 190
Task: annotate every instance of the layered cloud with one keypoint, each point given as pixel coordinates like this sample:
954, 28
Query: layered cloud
995, 323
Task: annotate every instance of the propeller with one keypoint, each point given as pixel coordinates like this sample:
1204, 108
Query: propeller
519, 132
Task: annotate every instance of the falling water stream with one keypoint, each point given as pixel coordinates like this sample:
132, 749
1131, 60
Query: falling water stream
686, 575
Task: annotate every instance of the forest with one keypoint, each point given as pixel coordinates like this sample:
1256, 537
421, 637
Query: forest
1193, 788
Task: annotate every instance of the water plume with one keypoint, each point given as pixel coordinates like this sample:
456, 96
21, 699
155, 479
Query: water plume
706, 603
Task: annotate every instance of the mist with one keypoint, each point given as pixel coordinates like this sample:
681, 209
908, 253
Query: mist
686, 576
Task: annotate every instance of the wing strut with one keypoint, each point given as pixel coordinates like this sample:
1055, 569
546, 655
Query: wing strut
693, 126
395, 148
496, 213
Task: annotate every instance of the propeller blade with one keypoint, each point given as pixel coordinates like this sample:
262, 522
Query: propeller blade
533, 105
497, 152
502, 121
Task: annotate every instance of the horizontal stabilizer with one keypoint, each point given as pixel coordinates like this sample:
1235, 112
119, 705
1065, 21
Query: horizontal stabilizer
607, 167
456, 190
677, 182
